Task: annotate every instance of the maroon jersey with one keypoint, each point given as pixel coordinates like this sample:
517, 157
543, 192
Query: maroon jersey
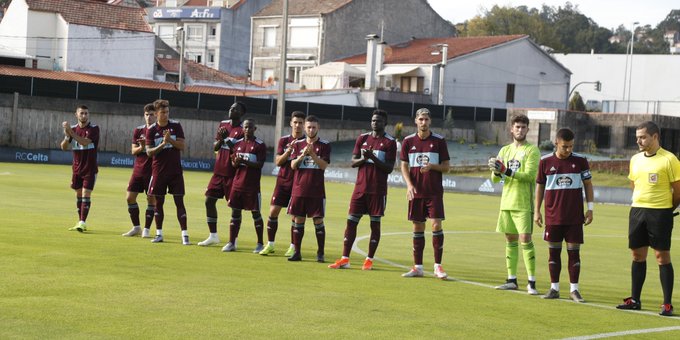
285, 176
167, 161
308, 180
85, 156
247, 179
563, 180
223, 166
370, 179
419, 152
143, 162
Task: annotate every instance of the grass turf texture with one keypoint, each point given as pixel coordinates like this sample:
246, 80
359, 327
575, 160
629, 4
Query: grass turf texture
61, 284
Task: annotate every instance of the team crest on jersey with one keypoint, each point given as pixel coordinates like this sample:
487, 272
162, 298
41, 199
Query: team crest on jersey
521, 154
564, 181
308, 161
514, 164
653, 178
423, 160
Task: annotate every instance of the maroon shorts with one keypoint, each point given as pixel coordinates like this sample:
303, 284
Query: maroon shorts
569, 233
371, 204
420, 209
138, 184
281, 196
307, 206
83, 181
245, 200
219, 186
159, 185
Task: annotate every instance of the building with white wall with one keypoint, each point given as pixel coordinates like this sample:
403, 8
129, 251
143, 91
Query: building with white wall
81, 36
648, 80
217, 31
501, 72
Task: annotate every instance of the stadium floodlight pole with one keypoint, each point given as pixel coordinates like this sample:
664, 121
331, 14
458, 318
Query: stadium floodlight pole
444, 50
281, 98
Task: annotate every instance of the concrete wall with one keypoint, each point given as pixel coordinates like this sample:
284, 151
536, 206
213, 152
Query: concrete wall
480, 79
345, 29
110, 52
234, 55
15, 23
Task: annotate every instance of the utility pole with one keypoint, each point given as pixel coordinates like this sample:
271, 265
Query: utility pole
180, 32
281, 98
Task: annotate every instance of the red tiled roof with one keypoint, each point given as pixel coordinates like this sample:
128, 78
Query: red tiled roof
418, 51
200, 72
94, 13
302, 7
118, 81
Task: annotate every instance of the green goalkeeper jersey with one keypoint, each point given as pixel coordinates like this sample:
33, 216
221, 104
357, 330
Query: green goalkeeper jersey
518, 189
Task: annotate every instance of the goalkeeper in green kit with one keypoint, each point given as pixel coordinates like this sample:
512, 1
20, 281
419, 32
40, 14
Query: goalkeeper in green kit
517, 165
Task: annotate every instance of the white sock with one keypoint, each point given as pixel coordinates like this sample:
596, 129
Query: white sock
555, 286
136, 227
532, 278
159, 232
270, 243
213, 235
345, 257
573, 287
512, 277
369, 258
185, 233
419, 266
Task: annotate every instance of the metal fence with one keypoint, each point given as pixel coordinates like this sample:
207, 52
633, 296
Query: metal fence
32, 86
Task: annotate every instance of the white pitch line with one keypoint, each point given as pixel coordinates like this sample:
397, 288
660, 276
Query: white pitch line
356, 249
623, 333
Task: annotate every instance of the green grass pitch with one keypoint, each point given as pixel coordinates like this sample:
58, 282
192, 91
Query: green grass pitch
61, 284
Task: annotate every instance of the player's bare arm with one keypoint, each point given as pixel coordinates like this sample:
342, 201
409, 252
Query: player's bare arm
68, 131
410, 189
443, 167
296, 162
281, 159
590, 198
540, 191
676, 194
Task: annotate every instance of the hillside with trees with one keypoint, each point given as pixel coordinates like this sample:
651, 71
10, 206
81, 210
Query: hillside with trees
564, 29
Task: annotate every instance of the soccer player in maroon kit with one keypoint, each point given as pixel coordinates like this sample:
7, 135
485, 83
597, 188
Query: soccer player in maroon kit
83, 138
562, 176
248, 157
424, 157
141, 175
223, 173
308, 198
374, 154
284, 182
164, 142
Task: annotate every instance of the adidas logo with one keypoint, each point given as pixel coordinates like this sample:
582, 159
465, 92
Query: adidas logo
487, 186
413, 147
552, 168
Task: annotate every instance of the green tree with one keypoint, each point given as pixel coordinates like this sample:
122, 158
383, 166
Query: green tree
576, 103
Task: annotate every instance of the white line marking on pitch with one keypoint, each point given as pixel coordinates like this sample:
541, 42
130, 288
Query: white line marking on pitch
623, 333
356, 249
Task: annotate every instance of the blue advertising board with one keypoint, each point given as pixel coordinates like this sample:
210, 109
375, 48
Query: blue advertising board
186, 13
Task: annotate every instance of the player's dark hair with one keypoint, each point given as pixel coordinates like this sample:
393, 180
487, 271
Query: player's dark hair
381, 113
250, 120
565, 134
82, 107
650, 126
149, 108
297, 114
160, 104
312, 119
519, 118
242, 105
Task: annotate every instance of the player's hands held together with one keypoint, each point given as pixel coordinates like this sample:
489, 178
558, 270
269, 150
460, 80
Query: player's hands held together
222, 132
425, 168
167, 138
68, 132
498, 167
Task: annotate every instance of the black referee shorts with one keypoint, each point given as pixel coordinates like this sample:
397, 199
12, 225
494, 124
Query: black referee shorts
650, 228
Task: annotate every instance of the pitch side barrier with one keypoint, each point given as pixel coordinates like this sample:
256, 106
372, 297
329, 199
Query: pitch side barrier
333, 174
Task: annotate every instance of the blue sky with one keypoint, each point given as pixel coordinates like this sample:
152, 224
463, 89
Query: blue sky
606, 13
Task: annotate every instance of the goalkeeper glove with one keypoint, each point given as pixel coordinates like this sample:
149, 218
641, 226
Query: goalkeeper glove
500, 168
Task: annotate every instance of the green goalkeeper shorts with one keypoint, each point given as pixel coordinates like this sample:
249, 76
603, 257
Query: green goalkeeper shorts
515, 222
